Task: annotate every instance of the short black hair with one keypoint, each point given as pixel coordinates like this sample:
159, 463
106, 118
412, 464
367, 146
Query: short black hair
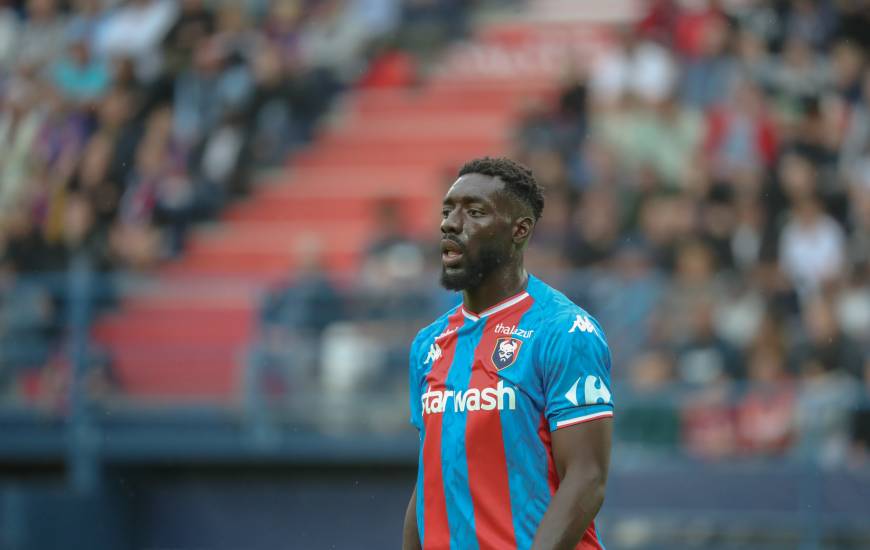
518, 179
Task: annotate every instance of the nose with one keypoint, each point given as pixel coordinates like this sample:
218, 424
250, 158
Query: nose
450, 224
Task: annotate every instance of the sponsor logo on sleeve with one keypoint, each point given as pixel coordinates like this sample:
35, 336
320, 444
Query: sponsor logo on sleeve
594, 392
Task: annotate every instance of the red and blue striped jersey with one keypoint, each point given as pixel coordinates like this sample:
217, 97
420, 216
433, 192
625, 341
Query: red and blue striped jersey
487, 390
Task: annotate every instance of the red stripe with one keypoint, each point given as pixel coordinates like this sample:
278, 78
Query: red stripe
590, 539
436, 530
484, 443
547, 440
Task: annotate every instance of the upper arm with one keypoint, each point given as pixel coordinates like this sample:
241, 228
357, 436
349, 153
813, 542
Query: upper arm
583, 447
576, 373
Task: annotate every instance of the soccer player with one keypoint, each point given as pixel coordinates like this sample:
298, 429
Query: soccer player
509, 390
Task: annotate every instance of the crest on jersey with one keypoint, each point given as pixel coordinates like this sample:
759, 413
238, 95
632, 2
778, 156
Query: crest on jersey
505, 352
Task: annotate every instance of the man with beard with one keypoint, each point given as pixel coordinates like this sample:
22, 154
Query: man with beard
509, 390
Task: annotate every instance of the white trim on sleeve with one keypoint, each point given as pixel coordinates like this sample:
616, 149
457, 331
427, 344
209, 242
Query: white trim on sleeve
584, 418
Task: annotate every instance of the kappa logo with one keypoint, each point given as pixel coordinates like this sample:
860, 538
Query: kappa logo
583, 324
505, 352
594, 392
434, 354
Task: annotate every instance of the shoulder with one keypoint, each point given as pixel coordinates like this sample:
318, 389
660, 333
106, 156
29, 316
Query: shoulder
427, 334
563, 322
436, 327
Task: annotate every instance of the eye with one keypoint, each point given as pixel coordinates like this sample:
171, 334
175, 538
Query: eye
445, 212
475, 213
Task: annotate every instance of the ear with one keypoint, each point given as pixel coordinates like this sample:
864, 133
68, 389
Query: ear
523, 230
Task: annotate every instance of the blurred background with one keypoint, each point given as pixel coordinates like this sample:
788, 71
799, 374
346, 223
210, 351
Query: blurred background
218, 236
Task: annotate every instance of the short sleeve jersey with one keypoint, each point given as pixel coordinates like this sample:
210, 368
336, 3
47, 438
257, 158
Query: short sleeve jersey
486, 392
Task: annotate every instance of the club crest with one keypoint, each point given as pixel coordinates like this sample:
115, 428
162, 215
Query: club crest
505, 352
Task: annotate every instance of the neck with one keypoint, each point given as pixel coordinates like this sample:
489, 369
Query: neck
497, 287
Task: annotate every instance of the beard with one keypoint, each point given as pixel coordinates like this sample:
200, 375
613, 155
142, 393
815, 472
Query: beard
474, 269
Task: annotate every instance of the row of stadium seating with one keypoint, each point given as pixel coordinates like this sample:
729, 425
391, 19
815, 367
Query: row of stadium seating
399, 144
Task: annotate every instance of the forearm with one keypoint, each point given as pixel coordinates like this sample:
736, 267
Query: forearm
571, 510
410, 534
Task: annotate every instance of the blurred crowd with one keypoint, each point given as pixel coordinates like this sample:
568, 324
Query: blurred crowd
710, 179
708, 196
708, 199
125, 122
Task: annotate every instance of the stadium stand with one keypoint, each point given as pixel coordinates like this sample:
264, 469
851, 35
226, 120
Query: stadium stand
247, 209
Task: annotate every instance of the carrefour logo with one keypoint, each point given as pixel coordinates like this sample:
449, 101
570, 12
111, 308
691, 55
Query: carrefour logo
594, 392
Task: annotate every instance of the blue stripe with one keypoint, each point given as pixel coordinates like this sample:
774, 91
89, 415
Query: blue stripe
526, 459
460, 511
420, 508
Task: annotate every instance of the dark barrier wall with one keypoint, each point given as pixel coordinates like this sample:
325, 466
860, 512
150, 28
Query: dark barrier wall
361, 508
306, 510
231, 509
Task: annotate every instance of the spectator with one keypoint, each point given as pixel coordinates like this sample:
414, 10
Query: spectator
740, 134
41, 38
593, 234
765, 413
135, 30
8, 34
307, 303
392, 255
800, 74
859, 200
704, 356
390, 285
822, 416
810, 21
331, 42
276, 108
649, 420
78, 75
638, 69
623, 294
847, 61
211, 87
824, 345
812, 246
694, 282
855, 149
293, 317
26, 322
20, 122
709, 426
193, 25
711, 72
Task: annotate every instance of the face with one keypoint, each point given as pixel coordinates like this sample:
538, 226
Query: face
480, 231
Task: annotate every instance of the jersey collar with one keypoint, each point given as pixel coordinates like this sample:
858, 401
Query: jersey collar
501, 306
